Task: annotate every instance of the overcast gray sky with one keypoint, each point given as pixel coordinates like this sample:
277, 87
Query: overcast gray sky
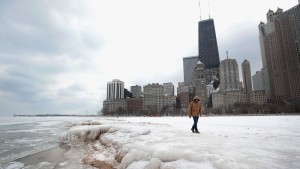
56, 56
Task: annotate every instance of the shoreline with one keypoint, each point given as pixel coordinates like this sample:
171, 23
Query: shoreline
208, 115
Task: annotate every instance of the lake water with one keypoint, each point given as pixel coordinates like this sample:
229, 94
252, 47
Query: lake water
25, 136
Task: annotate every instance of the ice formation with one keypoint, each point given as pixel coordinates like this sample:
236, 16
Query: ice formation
112, 145
167, 143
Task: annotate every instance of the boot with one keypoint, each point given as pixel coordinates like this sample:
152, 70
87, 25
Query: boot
192, 130
197, 131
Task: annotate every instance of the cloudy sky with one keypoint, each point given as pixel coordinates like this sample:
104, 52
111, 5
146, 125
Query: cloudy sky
56, 56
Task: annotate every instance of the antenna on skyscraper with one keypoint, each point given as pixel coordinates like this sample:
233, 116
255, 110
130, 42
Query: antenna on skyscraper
227, 54
200, 9
208, 11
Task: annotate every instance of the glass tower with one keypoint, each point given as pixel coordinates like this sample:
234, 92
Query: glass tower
208, 47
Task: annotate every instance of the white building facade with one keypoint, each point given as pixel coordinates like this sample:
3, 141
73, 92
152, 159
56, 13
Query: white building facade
115, 90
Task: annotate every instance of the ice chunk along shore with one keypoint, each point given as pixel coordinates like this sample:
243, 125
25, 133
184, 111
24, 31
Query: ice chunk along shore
102, 147
125, 145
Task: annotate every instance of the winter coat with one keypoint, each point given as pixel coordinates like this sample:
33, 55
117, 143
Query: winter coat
194, 109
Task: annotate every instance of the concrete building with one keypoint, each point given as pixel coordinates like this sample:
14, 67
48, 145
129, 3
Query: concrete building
114, 105
246, 72
120, 103
188, 69
168, 89
236, 96
183, 96
135, 106
258, 97
115, 90
200, 82
261, 81
229, 75
114, 97
225, 98
257, 79
169, 102
153, 97
266, 30
107, 106
280, 38
136, 91
218, 99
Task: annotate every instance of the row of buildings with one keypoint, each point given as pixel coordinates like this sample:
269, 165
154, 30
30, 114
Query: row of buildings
153, 99
217, 83
217, 93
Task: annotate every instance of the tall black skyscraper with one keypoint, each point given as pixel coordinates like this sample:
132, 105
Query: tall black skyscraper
208, 48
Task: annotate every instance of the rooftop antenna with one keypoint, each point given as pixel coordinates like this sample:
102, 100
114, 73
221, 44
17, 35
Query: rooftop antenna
227, 54
200, 9
208, 11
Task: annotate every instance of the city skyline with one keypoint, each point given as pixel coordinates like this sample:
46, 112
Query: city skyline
58, 57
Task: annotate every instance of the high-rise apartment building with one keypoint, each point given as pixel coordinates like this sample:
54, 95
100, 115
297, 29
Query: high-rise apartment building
183, 96
136, 91
208, 48
188, 69
153, 97
280, 36
266, 29
257, 79
229, 75
168, 89
246, 72
260, 80
115, 90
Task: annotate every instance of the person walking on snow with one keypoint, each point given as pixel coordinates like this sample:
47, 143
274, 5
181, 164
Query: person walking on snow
194, 111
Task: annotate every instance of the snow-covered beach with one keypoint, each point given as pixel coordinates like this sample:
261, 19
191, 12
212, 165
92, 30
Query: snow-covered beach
167, 142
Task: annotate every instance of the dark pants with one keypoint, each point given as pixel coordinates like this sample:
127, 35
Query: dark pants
194, 127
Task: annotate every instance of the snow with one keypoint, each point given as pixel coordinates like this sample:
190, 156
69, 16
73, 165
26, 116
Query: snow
168, 143
14, 165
